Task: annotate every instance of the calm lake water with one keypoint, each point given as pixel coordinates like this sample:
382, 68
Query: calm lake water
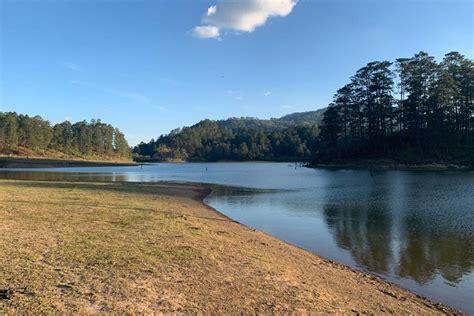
415, 229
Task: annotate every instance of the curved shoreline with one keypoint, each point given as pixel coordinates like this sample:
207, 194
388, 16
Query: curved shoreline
440, 306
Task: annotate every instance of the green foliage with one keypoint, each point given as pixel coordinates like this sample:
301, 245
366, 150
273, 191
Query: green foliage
81, 138
303, 118
8, 130
433, 119
234, 139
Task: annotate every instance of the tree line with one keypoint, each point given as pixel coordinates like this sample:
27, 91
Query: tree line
94, 138
411, 110
212, 141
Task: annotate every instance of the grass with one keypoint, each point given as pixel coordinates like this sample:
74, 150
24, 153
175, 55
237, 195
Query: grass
53, 230
22, 152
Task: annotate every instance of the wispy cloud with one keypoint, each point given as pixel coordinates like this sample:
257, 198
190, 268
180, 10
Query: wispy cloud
235, 94
267, 93
240, 16
137, 98
72, 66
132, 96
207, 31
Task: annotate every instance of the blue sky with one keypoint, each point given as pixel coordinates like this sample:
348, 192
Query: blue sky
153, 65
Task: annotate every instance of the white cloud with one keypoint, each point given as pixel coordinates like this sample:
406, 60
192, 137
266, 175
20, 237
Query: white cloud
235, 94
241, 16
266, 94
211, 10
206, 31
72, 66
233, 91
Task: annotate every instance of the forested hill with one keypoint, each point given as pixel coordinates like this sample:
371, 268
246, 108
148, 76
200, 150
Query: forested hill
413, 110
292, 137
304, 118
295, 119
22, 135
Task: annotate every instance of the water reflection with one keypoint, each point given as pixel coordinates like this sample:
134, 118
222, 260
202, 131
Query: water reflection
416, 236
63, 176
365, 232
424, 252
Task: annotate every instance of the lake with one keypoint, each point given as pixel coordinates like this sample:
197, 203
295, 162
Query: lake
415, 229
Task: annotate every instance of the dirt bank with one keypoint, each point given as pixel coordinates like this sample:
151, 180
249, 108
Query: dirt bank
23, 162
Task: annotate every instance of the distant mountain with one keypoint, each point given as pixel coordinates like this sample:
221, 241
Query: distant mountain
251, 123
304, 118
295, 119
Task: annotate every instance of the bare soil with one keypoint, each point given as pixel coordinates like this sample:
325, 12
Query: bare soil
38, 162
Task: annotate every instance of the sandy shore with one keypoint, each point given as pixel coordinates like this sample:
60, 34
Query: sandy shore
130, 248
23, 162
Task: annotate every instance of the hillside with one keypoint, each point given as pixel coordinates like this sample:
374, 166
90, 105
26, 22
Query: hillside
34, 137
289, 138
304, 118
290, 120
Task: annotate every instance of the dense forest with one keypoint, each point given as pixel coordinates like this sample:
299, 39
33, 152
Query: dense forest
234, 139
413, 110
22, 134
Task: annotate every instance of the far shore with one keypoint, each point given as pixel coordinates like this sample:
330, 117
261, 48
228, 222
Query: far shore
385, 166
157, 248
39, 162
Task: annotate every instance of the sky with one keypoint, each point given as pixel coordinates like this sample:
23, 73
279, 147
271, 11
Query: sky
149, 66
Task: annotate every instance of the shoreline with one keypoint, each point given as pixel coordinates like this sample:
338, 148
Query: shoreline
243, 269
40, 162
393, 166
30, 162
442, 307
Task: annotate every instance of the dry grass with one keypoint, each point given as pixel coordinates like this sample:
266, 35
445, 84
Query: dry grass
50, 154
94, 247
52, 162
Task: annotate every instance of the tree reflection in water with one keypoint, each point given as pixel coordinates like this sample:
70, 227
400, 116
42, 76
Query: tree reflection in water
414, 238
